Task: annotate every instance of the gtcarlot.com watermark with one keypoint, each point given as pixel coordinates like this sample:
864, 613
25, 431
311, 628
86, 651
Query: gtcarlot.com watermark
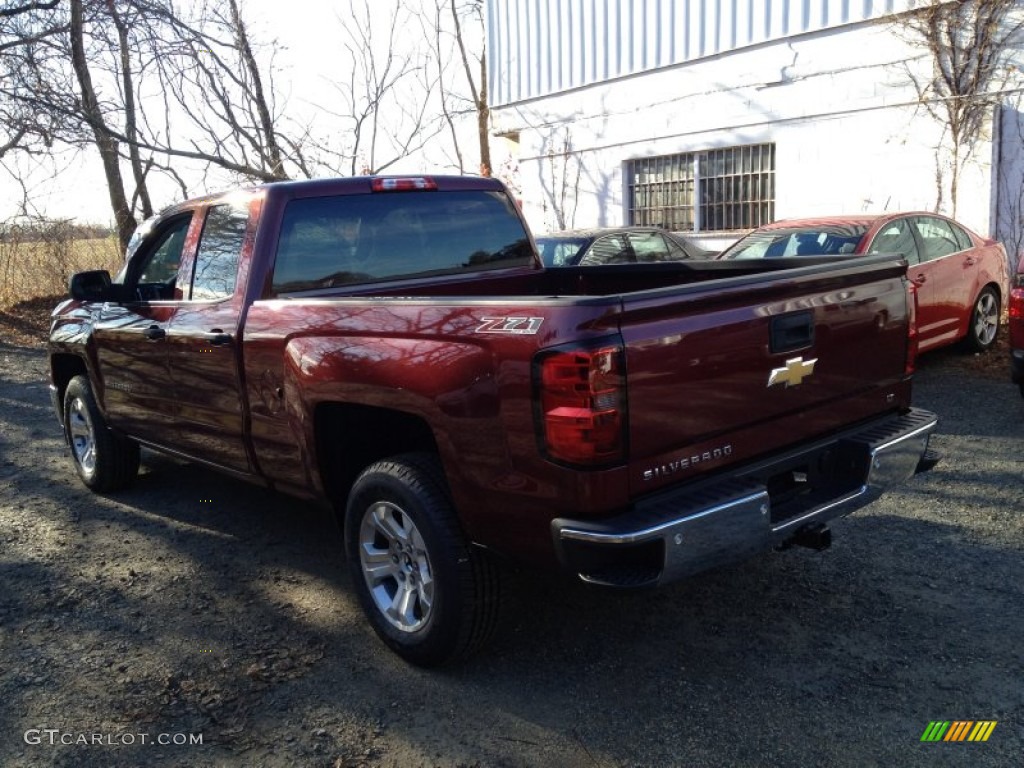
55, 736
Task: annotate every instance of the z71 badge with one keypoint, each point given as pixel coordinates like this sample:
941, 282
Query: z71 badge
521, 326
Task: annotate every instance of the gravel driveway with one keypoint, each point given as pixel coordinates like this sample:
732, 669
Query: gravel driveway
196, 608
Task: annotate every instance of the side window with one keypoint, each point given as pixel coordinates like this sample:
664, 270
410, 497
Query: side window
962, 238
607, 250
155, 275
937, 239
676, 252
559, 253
649, 246
896, 237
219, 250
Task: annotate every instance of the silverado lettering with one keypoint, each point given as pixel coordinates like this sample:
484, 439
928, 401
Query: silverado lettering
671, 467
394, 348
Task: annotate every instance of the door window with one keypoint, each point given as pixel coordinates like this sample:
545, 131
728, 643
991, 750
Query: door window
937, 239
155, 275
649, 246
896, 237
219, 251
962, 238
607, 250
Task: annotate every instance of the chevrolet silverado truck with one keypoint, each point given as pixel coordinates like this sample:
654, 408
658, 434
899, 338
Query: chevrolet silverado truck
394, 348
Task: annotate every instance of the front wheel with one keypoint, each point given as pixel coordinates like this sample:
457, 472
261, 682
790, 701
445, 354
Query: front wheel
429, 596
984, 327
104, 461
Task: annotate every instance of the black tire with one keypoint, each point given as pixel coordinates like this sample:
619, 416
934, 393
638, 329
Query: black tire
104, 461
429, 596
983, 329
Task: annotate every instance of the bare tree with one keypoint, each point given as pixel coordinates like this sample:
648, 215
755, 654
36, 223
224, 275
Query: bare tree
23, 27
386, 93
970, 44
124, 51
471, 16
157, 87
456, 30
93, 115
433, 26
146, 87
564, 176
19, 8
209, 73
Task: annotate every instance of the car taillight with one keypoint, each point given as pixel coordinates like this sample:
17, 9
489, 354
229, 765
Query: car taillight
1016, 305
581, 405
912, 339
392, 184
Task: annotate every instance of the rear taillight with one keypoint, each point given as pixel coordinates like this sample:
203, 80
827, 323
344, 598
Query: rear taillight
581, 405
1016, 305
912, 339
407, 184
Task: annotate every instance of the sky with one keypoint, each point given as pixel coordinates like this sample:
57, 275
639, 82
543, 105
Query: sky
308, 33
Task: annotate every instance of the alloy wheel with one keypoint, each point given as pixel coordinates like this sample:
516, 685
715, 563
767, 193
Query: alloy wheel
82, 436
986, 319
396, 566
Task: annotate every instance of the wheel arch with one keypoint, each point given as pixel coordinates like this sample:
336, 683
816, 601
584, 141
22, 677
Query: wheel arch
988, 283
63, 368
367, 434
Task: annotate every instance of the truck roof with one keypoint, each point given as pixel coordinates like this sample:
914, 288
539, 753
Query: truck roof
343, 185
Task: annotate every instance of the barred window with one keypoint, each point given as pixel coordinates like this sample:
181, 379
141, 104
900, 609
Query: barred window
717, 190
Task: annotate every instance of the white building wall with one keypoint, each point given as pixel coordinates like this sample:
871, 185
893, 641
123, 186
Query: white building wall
849, 133
539, 47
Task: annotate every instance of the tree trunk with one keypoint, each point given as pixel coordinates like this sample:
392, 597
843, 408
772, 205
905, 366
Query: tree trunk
272, 151
131, 112
107, 145
478, 95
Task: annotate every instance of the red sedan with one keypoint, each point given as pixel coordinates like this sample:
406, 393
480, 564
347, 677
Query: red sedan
1017, 327
961, 277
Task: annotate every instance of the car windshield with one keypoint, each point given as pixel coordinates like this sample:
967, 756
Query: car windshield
798, 241
560, 251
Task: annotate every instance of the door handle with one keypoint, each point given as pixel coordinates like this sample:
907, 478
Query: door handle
218, 338
920, 280
969, 261
154, 333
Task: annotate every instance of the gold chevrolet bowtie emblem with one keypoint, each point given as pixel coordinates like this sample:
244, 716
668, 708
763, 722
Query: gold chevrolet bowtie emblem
794, 372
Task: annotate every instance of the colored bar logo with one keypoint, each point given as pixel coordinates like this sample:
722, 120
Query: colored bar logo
959, 730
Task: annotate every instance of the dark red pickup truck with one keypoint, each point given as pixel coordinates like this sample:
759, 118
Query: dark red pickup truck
394, 347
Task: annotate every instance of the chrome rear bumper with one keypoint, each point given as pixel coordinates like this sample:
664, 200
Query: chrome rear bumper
721, 520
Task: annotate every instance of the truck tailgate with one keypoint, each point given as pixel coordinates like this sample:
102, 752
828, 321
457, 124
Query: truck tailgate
717, 375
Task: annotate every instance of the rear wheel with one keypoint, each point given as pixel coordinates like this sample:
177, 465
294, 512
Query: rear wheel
429, 596
104, 461
984, 327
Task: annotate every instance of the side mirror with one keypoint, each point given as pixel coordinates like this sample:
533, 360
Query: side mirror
93, 285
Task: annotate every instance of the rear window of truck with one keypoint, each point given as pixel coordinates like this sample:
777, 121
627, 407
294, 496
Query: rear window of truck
349, 239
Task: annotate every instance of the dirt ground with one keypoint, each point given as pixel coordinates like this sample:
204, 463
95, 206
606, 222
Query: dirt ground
196, 608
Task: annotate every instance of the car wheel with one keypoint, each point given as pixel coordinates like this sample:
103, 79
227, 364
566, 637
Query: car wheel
984, 327
104, 461
428, 595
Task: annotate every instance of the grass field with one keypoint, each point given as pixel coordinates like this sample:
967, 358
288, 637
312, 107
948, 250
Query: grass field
42, 267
